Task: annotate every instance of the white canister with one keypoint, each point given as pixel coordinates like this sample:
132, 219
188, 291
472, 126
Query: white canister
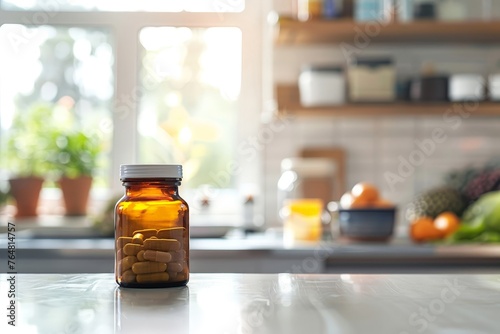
322, 86
452, 10
467, 87
494, 87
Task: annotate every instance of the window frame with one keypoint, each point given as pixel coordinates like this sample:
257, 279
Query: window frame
125, 27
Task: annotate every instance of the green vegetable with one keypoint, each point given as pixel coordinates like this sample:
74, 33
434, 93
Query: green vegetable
488, 236
481, 221
469, 231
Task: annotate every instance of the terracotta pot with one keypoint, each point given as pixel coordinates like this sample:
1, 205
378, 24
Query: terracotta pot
26, 192
76, 194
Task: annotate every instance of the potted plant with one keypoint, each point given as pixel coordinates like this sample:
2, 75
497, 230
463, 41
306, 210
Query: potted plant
25, 157
74, 156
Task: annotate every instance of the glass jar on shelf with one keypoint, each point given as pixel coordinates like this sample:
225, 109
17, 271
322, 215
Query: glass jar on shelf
306, 10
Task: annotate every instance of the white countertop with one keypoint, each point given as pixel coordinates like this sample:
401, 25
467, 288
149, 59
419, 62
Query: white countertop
275, 303
256, 255
70, 245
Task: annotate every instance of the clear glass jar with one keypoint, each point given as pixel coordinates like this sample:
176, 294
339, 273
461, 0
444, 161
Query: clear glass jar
151, 228
306, 178
305, 186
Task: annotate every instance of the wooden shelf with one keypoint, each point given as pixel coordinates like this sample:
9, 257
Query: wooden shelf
292, 32
289, 103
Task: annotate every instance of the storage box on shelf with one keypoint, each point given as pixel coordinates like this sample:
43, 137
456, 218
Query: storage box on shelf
292, 32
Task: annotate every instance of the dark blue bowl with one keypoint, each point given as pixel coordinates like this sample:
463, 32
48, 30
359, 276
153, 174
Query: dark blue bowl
367, 224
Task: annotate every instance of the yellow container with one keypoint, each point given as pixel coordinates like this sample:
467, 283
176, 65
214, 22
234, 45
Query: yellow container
303, 220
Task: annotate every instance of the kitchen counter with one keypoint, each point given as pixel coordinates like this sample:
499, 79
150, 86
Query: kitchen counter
260, 254
52, 244
275, 303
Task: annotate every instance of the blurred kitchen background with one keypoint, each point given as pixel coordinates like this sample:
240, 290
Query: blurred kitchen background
233, 88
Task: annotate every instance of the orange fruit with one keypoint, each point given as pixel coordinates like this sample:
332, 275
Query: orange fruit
423, 229
347, 201
447, 222
383, 203
365, 192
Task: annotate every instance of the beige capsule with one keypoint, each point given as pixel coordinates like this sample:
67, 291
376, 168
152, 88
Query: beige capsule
163, 245
175, 266
182, 276
119, 254
132, 249
179, 276
171, 233
122, 241
185, 271
140, 256
157, 256
127, 263
152, 278
128, 277
147, 233
178, 256
172, 275
148, 267
138, 238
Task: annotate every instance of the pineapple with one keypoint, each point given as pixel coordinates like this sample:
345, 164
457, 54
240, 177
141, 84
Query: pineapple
434, 202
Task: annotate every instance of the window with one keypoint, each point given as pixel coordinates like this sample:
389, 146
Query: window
164, 81
191, 80
55, 68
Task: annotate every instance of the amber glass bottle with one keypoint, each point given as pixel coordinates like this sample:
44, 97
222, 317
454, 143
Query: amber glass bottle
151, 228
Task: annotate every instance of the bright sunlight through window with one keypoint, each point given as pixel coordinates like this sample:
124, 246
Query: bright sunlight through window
191, 79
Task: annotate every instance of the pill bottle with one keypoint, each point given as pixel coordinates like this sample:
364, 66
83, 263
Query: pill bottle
151, 228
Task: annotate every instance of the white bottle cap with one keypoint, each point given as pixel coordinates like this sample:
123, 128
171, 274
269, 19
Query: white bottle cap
150, 171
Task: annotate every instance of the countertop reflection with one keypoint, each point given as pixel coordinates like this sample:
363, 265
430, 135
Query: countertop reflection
257, 303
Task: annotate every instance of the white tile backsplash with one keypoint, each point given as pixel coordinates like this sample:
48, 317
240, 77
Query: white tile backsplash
391, 147
396, 126
315, 132
360, 127
374, 148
